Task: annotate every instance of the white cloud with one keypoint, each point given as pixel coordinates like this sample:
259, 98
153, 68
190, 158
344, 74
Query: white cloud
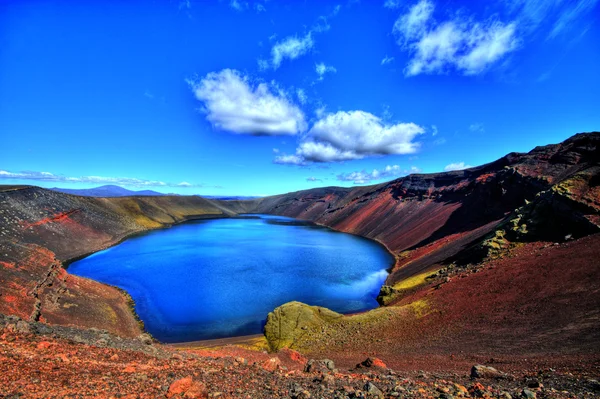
313, 179
232, 103
275, 150
314, 151
122, 181
263, 65
321, 69
289, 160
460, 43
352, 135
457, 166
387, 60
559, 14
412, 25
185, 4
434, 130
363, 177
238, 5
477, 127
570, 14
391, 4
302, 97
291, 48
259, 8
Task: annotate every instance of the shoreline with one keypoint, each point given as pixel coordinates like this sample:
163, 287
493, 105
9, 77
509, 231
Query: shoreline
207, 342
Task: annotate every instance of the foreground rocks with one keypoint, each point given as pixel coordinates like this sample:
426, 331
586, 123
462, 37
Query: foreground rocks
54, 364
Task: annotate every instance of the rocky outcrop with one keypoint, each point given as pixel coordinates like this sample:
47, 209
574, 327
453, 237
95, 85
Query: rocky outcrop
287, 323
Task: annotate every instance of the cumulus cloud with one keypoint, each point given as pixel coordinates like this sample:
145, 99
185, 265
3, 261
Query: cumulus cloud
122, 181
413, 25
233, 103
321, 69
457, 166
286, 159
363, 177
291, 48
352, 135
460, 43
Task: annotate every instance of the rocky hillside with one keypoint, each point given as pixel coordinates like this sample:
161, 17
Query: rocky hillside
497, 262
427, 219
43, 229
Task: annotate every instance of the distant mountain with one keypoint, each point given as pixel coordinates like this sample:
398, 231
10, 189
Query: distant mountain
106, 191
230, 197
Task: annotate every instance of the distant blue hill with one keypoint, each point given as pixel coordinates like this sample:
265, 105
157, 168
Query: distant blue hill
229, 197
106, 191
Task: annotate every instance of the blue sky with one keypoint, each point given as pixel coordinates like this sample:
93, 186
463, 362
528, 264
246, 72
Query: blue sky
266, 97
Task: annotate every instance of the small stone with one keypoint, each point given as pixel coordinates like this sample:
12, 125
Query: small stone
271, 364
372, 362
188, 388
323, 366
527, 394
44, 345
145, 338
114, 357
23, 327
373, 390
481, 371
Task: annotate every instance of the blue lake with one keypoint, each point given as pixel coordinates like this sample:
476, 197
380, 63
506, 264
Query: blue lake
220, 277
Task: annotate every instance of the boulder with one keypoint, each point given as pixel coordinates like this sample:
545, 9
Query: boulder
287, 323
481, 371
372, 390
187, 388
372, 362
319, 366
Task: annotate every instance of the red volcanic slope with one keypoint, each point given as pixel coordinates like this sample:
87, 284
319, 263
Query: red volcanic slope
436, 216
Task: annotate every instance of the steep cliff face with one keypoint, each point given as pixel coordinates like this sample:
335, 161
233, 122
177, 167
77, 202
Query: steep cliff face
427, 219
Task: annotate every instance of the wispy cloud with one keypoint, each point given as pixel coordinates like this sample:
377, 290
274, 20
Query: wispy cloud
460, 43
560, 15
364, 177
121, 181
477, 127
233, 103
387, 60
351, 135
391, 4
313, 179
238, 5
321, 69
457, 166
302, 97
291, 48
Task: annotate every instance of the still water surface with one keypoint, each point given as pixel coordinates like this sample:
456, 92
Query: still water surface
219, 278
